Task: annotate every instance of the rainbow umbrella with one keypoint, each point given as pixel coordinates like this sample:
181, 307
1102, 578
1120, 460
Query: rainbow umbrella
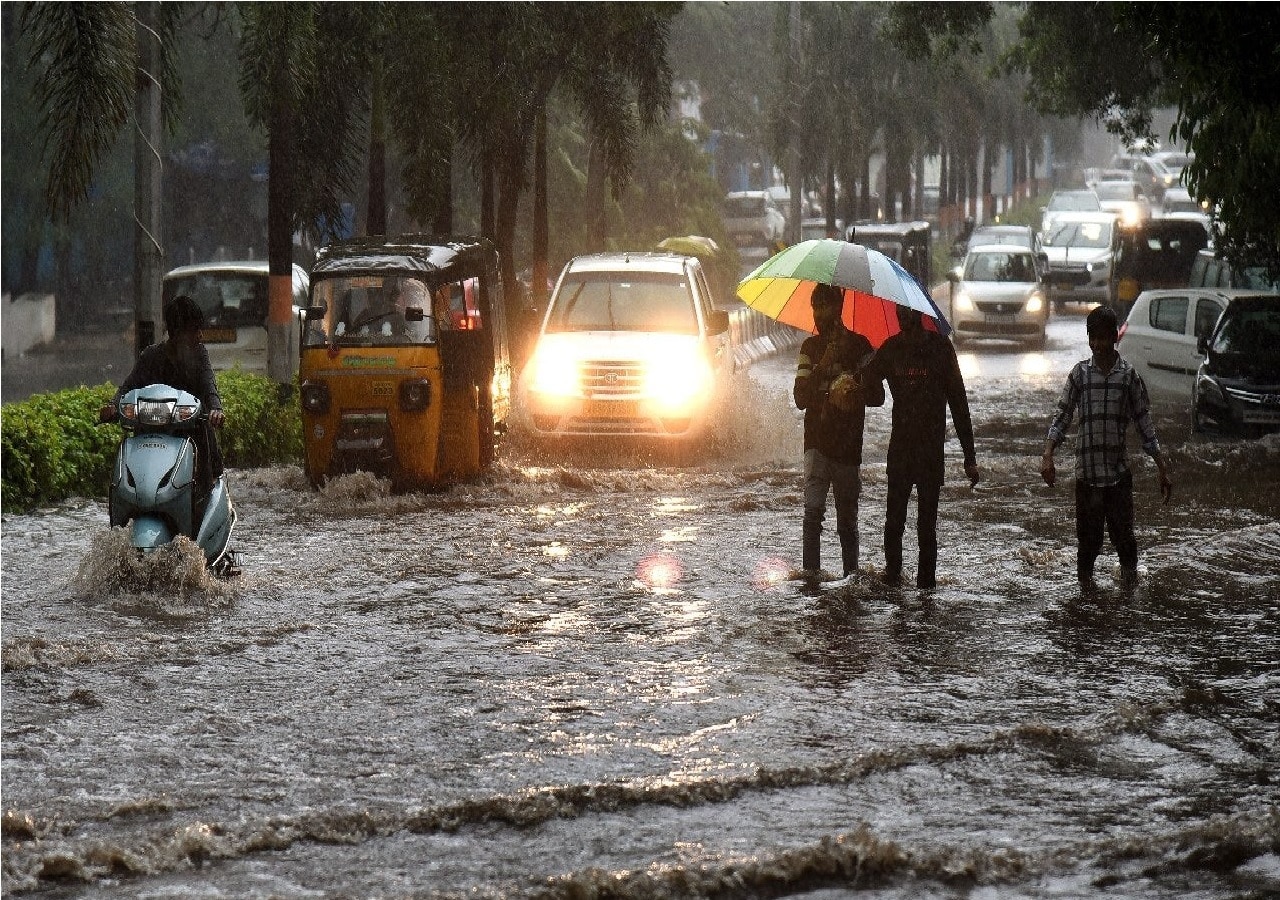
874, 287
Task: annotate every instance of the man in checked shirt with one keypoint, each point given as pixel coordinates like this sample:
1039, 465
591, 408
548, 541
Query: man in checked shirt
1109, 394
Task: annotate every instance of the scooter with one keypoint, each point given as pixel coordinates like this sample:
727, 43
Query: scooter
154, 491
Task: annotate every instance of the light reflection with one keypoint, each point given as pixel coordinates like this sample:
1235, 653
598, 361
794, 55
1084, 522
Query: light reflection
770, 571
556, 550
666, 506
686, 534
659, 571
1034, 364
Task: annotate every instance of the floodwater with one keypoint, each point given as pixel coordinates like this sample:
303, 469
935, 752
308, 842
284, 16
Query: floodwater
595, 677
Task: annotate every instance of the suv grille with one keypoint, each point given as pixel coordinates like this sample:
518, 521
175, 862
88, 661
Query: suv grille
612, 378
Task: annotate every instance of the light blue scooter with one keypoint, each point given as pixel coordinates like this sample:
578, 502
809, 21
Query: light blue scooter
154, 489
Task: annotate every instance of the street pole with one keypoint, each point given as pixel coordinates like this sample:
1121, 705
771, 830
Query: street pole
148, 251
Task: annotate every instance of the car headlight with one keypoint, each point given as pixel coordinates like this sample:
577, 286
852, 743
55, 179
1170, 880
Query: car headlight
679, 380
1131, 215
1210, 390
1035, 303
314, 397
964, 301
557, 374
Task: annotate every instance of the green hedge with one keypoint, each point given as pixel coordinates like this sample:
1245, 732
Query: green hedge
52, 446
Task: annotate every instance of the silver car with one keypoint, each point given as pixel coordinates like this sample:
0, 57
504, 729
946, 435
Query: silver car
1079, 250
998, 293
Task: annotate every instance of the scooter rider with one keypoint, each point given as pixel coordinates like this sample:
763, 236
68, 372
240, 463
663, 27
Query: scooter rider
182, 362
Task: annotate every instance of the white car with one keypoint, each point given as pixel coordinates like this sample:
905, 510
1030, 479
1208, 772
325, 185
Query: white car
235, 299
997, 293
630, 346
1079, 250
753, 219
1064, 202
1126, 199
1160, 335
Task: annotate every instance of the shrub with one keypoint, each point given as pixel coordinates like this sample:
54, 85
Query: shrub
52, 446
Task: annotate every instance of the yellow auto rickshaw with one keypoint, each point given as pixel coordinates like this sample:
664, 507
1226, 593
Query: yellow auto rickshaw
405, 369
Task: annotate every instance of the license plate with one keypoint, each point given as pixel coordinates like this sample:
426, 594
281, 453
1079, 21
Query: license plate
610, 409
218, 335
383, 389
1001, 318
1261, 417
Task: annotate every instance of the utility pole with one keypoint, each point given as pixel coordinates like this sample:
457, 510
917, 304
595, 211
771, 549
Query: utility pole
148, 250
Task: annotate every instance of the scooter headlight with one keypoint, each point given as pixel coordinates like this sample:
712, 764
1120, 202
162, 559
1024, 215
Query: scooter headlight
155, 412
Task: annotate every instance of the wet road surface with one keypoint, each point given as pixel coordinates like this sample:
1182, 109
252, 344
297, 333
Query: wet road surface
593, 676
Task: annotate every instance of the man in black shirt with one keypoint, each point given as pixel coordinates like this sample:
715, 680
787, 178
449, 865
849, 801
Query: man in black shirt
827, 387
924, 379
181, 362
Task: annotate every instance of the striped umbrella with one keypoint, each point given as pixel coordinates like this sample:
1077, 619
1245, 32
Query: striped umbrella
874, 287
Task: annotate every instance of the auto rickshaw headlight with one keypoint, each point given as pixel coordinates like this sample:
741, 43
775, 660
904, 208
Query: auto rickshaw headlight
415, 394
315, 397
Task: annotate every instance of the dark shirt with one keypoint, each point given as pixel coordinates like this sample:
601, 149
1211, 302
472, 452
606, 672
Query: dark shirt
836, 433
156, 366
924, 378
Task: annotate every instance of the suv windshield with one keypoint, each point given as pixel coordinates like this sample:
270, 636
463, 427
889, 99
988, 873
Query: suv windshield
374, 310
228, 299
1249, 326
1078, 201
1080, 234
744, 207
630, 301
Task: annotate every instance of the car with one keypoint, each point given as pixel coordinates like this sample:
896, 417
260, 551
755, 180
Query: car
1078, 255
1161, 338
1155, 176
234, 296
1067, 201
998, 293
631, 346
1209, 271
1124, 198
814, 228
1237, 386
753, 219
1017, 235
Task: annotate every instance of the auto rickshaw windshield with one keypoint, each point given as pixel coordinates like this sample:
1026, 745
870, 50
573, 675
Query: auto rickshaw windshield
373, 310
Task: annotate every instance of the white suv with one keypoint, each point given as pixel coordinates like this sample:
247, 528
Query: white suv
752, 219
631, 345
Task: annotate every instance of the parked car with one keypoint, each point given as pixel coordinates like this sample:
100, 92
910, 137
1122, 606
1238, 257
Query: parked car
1237, 387
1078, 254
998, 293
753, 219
235, 299
630, 346
1161, 338
1209, 271
1155, 253
1067, 201
1124, 198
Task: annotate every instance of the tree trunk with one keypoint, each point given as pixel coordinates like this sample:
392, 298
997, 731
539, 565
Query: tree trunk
280, 225
376, 221
487, 202
442, 220
593, 203
988, 197
540, 225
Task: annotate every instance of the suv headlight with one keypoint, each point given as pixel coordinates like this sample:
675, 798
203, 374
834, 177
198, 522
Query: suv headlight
1035, 302
679, 380
557, 374
964, 301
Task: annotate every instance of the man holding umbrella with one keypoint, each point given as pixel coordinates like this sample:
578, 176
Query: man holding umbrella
924, 379
828, 388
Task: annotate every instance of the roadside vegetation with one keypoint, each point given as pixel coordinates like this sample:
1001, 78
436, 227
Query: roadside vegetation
52, 446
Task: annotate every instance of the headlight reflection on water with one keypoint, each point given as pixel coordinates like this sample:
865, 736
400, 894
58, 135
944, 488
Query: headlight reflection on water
659, 571
770, 571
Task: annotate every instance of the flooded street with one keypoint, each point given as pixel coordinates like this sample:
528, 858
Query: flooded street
595, 677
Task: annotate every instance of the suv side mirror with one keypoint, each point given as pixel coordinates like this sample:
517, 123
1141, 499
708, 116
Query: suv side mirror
1202, 344
718, 323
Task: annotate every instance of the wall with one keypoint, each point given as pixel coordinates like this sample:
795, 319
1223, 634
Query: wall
26, 321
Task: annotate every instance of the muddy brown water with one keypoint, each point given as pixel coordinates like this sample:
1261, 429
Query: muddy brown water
591, 675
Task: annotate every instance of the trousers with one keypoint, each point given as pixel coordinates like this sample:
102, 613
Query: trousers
895, 523
1109, 506
823, 475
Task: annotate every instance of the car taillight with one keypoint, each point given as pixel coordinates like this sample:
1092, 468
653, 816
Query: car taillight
314, 396
415, 394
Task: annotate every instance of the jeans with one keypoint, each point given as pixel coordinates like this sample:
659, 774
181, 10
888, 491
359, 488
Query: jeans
1112, 506
822, 475
895, 523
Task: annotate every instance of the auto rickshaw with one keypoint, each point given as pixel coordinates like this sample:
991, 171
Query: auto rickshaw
405, 368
